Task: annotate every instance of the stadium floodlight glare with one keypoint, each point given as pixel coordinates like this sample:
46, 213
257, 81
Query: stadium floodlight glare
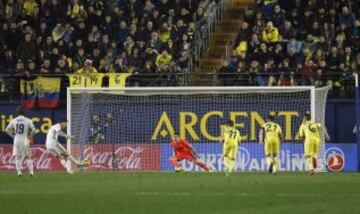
136, 124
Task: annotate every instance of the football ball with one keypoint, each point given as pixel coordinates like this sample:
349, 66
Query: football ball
86, 162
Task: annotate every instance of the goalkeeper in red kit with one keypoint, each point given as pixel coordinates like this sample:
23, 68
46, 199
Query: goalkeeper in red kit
184, 150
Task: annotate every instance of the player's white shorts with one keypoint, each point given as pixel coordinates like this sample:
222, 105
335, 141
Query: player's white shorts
55, 148
22, 149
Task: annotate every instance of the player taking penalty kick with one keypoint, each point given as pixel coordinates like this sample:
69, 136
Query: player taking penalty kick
53, 145
309, 131
184, 150
231, 137
271, 133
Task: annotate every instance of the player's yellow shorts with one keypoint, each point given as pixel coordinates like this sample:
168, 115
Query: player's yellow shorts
230, 150
272, 146
311, 147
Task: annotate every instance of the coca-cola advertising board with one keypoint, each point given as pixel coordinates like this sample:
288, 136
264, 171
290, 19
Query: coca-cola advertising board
119, 157
43, 160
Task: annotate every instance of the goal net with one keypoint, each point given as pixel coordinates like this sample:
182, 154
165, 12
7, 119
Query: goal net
130, 129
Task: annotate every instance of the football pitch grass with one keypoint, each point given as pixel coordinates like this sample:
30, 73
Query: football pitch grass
185, 193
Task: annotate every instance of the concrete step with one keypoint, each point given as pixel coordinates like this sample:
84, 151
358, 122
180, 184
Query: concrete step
209, 65
216, 52
202, 78
228, 26
225, 31
210, 62
237, 3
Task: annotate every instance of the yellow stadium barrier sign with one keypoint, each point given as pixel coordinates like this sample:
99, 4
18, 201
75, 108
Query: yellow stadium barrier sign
118, 80
93, 80
76, 80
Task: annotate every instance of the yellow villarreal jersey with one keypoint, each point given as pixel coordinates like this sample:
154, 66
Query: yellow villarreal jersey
272, 130
231, 136
310, 130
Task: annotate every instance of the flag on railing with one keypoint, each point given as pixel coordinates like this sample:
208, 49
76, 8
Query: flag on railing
43, 92
28, 93
48, 92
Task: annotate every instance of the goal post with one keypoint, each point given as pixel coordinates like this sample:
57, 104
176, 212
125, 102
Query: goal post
129, 129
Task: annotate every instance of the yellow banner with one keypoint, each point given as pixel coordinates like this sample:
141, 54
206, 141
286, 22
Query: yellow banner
83, 80
118, 80
94, 80
76, 80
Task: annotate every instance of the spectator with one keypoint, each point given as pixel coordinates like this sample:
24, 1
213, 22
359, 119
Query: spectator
270, 33
29, 6
88, 68
278, 17
255, 77
46, 67
61, 67
243, 35
26, 49
226, 74
308, 72
163, 61
348, 58
58, 32
355, 35
346, 18
287, 32
31, 68
286, 74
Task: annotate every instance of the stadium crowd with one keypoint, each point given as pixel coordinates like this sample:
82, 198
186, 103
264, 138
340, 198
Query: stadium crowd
280, 42
137, 36
299, 42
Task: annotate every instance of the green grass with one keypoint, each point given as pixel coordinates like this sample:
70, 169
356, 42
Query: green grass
185, 193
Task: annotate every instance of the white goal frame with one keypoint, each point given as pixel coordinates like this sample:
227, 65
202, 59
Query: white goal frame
200, 89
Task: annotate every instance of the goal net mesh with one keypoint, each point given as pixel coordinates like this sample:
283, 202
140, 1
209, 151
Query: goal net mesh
130, 130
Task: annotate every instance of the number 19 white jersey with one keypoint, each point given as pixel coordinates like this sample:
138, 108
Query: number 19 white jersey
21, 127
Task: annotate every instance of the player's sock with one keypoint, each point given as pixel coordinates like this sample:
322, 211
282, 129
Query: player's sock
268, 160
70, 157
309, 163
275, 165
63, 163
226, 163
175, 163
231, 165
30, 166
314, 160
202, 165
18, 162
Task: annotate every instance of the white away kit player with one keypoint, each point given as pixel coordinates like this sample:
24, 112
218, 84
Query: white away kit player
21, 129
53, 145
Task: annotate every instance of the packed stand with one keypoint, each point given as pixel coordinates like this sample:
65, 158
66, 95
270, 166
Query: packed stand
303, 42
135, 36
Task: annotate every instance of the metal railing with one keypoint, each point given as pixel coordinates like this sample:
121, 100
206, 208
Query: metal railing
201, 45
12, 82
